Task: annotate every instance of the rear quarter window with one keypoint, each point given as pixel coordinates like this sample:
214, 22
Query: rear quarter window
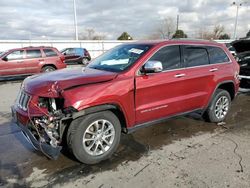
217, 55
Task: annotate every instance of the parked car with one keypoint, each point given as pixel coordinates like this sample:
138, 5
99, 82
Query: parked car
76, 55
231, 49
30, 60
244, 62
129, 87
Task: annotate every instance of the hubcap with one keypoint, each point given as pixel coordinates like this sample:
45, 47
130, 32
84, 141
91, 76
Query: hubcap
84, 61
49, 70
98, 137
221, 107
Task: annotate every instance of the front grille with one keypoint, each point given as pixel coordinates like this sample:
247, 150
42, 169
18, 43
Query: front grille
23, 100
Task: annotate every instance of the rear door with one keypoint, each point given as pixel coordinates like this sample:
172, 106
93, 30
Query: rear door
161, 94
12, 63
199, 76
33, 59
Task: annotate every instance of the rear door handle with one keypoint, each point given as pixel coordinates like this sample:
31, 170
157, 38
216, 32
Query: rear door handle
213, 69
179, 75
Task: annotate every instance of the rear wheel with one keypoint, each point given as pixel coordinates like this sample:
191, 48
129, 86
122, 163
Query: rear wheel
48, 69
94, 137
219, 106
85, 61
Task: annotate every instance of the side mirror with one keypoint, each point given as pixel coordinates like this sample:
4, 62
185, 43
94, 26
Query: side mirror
5, 58
152, 67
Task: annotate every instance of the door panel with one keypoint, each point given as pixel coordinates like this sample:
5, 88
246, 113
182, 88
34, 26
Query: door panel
199, 77
159, 95
32, 61
12, 64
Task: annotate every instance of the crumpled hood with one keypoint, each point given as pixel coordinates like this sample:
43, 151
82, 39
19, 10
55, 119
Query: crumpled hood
51, 84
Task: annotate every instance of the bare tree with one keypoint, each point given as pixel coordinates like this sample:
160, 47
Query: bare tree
91, 34
165, 30
217, 32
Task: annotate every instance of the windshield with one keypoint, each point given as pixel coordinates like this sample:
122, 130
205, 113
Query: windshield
120, 57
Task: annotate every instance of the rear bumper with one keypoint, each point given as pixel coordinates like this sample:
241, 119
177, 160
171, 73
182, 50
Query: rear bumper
51, 152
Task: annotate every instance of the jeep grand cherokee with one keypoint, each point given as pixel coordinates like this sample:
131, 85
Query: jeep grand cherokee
129, 87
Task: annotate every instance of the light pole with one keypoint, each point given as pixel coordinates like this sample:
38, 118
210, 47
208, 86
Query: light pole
75, 20
238, 5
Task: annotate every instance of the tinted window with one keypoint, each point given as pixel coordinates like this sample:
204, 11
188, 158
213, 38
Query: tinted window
34, 53
15, 55
68, 51
169, 56
195, 56
217, 55
49, 52
79, 51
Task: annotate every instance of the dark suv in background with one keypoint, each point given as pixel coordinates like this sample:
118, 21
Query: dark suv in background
76, 55
29, 60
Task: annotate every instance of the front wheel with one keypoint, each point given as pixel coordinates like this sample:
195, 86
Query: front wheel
94, 137
219, 106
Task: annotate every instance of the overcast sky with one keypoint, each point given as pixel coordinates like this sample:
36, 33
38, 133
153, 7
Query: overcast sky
54, 19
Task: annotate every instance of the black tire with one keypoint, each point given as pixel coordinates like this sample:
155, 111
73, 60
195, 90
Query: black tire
85, 61
210, 114
48, 68
78, 129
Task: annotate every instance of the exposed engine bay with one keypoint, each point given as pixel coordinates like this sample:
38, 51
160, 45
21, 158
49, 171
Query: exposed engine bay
47, 128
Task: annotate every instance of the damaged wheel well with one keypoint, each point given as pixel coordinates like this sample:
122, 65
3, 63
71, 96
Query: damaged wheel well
76, 115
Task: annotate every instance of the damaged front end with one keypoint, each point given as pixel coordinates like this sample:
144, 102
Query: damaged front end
45, 122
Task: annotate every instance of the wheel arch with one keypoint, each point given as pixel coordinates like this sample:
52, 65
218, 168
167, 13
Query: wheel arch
115, 108
51, 65
229, 87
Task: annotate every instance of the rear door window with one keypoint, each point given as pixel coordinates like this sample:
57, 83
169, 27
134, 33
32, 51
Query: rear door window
49, 52
195, 56
169, 56
33, 53
217, 55
78, 51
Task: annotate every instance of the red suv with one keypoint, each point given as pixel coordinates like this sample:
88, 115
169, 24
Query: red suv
30, 60
129, 87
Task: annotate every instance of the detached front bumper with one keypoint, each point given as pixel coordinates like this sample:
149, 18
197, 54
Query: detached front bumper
51, 152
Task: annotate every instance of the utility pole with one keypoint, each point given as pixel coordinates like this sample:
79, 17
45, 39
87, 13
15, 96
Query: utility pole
238, 5
75, 20
177, 22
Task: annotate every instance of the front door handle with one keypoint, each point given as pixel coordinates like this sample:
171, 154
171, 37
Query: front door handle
213, 69
179, 75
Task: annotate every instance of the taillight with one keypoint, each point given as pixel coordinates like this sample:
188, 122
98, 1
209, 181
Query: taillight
62, 58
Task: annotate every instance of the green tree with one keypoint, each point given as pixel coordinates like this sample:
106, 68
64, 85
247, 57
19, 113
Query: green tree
124, 36
179, 34
224, 36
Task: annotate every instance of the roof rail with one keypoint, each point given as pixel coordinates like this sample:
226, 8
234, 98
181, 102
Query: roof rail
194, 39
